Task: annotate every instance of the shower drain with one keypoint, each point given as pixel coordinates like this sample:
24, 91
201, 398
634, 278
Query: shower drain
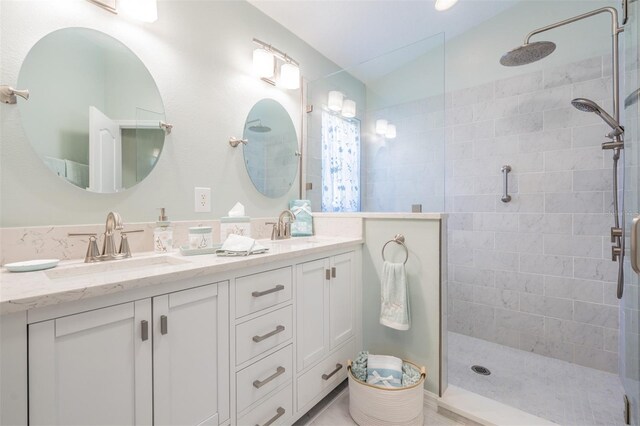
481, 370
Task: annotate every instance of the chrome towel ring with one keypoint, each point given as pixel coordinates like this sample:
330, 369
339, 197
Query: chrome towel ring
398, 239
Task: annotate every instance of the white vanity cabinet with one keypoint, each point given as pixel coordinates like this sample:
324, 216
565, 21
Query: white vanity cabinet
326, 318
92, 368
123, 365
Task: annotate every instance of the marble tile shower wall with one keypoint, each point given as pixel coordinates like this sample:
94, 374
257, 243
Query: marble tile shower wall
534, 274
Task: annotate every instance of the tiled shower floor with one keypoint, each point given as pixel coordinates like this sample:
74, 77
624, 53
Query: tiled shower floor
559, 391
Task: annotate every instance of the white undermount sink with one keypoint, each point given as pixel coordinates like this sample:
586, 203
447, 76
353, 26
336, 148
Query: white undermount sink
112, 266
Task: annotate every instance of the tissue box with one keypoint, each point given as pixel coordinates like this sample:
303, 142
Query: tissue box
238, 225
303, 225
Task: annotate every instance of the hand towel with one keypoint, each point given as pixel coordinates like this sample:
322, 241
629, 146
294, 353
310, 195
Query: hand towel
303, 225
394, 300
384, 370
237, 245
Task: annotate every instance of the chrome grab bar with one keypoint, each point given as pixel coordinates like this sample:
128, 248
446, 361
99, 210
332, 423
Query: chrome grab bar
634, 244
505, 179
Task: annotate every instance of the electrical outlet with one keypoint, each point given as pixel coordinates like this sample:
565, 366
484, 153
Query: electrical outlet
203, 200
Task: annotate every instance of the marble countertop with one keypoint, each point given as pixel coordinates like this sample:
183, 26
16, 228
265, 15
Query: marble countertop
74, 280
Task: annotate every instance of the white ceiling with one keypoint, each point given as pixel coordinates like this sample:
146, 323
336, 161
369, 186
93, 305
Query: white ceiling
353, 31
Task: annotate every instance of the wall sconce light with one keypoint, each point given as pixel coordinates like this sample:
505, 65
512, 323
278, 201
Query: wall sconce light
264, 65
142, 10
335, 100
442, 5
349, 108
381, 126
391, 131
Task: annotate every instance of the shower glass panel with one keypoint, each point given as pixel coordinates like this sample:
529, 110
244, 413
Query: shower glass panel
141, 146
388, 154
629, 357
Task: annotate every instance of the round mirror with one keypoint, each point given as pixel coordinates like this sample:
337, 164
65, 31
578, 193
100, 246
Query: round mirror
271, 152
94, 113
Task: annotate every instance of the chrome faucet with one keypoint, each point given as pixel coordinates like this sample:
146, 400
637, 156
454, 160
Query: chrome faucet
113, 223
281, 229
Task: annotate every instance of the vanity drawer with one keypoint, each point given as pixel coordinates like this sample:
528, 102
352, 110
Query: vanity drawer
263, 333
257, 380
279, 405
320, 377
260, 291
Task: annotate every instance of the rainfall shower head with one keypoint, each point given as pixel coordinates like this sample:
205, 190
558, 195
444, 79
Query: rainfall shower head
587, 105
258, 128
528, 53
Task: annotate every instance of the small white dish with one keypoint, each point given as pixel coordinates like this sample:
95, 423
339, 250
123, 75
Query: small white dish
32, 265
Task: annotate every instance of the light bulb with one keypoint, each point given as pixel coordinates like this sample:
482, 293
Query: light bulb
143, 10
442, 5
381, 126
263, 63
335, 101
349, 108
289, 76
391, 131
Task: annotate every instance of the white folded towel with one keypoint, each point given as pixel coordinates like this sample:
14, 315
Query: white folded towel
394, 300
238, 245
384, 370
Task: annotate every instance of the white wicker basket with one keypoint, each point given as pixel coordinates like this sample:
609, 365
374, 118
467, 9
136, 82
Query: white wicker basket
371, 405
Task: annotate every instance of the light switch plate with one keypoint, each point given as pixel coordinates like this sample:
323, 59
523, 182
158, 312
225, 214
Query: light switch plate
202, 200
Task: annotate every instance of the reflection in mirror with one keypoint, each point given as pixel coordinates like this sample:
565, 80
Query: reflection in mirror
271, 153
95, 111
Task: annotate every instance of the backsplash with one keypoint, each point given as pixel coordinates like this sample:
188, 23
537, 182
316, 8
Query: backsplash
20, 244
534, 273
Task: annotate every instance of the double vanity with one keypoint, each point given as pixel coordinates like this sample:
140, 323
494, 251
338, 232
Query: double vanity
168, 339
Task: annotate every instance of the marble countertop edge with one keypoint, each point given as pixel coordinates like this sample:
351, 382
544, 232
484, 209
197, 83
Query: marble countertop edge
29, 290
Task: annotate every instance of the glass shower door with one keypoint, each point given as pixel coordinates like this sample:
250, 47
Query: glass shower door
629, 349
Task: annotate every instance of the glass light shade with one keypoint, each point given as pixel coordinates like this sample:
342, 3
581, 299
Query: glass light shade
391, 131
381, 127
263, 63
143, 10
289, 76
349, 108
335, 100
445, 4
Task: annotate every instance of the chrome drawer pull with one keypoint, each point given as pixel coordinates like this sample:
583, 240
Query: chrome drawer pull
279, 287
280, 412
144, 330
258, 384
279, 329
328, 376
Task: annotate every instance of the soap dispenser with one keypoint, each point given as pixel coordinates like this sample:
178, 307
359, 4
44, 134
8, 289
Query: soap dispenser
162, 234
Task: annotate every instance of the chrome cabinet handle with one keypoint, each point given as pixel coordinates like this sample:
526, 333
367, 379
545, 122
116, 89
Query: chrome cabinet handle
277, 288
144, 330
258, 384
328, 376
505, 173
279, 329
164, 326
280, 412
333, 272
327, 274
634, 244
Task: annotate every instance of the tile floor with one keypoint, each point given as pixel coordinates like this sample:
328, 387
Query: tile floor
559, 391
334, 411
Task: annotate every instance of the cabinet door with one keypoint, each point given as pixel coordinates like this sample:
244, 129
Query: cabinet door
92, 368
312, 288
342, 299
189, 342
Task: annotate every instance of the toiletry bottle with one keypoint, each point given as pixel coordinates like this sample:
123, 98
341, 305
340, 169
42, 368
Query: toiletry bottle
163, 234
